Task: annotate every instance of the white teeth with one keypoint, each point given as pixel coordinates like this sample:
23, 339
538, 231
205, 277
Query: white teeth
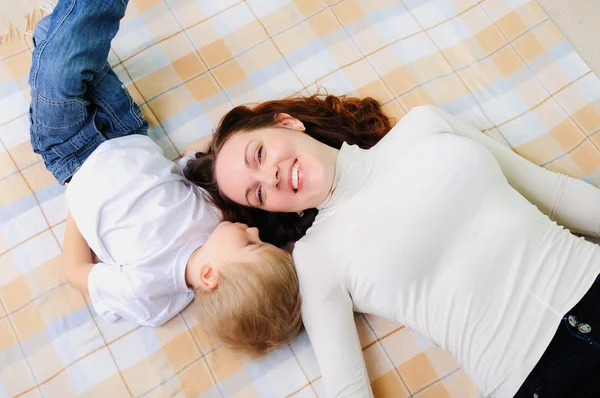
295, 175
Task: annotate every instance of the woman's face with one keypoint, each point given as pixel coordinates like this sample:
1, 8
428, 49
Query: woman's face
279, 169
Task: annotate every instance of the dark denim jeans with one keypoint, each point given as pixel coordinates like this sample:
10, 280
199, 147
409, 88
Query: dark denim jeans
570, 366
77, 101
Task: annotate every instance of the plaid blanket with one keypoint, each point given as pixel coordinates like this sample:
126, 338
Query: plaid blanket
500, 63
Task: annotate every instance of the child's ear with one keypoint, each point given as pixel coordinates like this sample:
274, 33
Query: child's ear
209, 277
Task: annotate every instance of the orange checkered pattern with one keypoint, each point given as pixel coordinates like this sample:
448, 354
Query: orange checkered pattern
500, 63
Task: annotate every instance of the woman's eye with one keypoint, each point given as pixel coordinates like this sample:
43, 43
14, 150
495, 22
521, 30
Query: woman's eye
260, 154
259, 195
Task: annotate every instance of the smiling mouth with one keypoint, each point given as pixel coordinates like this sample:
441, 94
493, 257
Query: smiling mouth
295, 178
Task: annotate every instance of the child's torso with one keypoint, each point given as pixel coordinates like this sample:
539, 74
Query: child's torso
133, 206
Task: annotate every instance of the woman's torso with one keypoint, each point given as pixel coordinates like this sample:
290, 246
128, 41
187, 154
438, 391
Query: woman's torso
427, 232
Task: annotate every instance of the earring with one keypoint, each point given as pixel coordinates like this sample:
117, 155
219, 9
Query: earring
301, 213
303, 129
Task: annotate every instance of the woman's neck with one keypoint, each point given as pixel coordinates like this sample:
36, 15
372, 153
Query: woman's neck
332, 155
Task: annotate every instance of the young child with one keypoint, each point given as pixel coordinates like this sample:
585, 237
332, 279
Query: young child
151, 230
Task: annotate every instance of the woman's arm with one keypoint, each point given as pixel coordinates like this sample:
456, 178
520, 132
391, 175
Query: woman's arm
572, 203
77, 257
329, 320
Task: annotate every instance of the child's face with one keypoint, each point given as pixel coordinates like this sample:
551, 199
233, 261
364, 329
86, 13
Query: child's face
231, 243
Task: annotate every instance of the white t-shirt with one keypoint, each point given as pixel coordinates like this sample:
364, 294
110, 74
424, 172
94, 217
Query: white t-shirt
434, 228
143, 220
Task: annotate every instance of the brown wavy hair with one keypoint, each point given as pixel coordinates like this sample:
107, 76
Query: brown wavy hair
329, 119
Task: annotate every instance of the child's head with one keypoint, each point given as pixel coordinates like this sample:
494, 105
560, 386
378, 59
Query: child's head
247, 291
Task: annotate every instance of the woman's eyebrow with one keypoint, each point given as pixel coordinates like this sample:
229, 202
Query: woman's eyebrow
247, 165
246, 154
247, 199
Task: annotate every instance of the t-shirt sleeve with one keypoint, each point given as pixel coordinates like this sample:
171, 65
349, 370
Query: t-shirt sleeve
114, 295
329, 321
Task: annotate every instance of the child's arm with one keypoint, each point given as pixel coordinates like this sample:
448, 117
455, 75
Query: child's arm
199, 145
77, 257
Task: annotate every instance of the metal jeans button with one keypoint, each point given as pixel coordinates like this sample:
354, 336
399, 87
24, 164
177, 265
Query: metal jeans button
572, 320
584, 328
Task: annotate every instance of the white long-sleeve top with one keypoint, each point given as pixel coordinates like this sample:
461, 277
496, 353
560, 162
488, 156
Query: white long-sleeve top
436, 227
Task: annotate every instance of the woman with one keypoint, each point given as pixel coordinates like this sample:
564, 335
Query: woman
435, 227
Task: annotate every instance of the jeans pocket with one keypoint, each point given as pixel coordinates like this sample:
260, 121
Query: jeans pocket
59, 115
117, 110
55, 122
78, 142
553, 371
546, 375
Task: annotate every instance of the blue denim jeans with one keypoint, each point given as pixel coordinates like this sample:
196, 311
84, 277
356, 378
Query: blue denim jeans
77, 101
570, 366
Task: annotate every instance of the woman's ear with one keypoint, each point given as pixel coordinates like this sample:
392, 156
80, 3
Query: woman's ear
209, 277
285, 120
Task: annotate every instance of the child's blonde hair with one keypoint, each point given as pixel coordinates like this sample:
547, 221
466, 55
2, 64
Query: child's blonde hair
256, 307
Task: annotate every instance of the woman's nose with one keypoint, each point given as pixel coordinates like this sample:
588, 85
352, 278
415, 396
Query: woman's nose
270, 177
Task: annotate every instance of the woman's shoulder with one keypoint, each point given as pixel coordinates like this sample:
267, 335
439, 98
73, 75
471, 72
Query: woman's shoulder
420, 122
314, 260
320, 243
